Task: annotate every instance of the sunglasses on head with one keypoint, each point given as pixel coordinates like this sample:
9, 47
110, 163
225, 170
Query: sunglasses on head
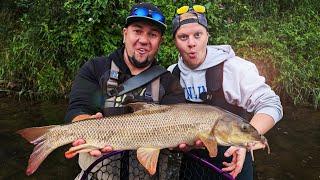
148, 13
196, 8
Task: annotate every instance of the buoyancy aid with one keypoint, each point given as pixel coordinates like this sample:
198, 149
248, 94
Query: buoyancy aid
215, 95
113, 105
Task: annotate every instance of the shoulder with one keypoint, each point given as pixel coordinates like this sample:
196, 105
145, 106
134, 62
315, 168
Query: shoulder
95, 67
101, 62
171, 67
238, 66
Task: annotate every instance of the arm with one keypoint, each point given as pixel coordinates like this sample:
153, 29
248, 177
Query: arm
250, 91
85, 96
262, 122
244, 87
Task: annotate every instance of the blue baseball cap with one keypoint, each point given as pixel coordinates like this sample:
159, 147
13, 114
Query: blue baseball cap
147, 12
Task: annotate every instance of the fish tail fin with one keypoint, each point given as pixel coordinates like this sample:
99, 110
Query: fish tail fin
43, 148
34, 133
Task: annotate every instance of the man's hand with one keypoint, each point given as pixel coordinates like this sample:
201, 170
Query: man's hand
87, 116
95, 153
235, 166
185, 147
78, 142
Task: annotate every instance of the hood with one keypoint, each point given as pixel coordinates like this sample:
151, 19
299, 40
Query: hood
215, 55
194, 80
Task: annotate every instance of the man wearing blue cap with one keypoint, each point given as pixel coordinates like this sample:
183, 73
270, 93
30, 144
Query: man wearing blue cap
214, 75
96, 90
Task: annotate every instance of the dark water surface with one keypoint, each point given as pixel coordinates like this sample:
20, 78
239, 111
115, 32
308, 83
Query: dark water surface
294, 142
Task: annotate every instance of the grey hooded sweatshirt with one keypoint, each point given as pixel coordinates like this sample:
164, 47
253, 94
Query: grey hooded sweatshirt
242, 84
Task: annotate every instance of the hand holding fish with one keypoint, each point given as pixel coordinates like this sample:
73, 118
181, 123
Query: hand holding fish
238, 157
185, 147
95, 153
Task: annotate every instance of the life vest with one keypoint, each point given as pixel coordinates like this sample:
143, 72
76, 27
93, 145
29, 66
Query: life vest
215, 95
126, 164
114, 104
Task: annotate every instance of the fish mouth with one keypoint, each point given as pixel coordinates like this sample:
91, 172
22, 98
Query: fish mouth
262, 143
258, 144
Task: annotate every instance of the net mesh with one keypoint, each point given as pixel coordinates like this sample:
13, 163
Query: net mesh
171, 165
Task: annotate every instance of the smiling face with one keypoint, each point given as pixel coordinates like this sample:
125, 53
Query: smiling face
191, 40
142, 41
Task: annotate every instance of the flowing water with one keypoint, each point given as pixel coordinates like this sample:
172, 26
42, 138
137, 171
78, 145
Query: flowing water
294, 142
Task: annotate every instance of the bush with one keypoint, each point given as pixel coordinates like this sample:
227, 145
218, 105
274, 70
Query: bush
45, 42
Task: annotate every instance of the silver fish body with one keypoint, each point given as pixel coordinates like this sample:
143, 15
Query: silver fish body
150, 128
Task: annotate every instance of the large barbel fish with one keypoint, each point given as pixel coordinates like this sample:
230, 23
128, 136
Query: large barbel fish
148, 129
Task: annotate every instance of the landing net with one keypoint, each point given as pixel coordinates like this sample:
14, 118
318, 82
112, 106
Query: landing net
171, 165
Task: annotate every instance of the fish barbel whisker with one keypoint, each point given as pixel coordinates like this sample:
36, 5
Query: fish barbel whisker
257, 145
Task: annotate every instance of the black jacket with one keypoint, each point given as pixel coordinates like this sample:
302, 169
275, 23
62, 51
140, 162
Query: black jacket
87, 95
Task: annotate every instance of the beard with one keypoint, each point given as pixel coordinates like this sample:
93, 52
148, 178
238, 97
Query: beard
139, 64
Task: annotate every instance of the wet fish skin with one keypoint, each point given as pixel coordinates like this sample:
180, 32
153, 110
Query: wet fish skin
150, 128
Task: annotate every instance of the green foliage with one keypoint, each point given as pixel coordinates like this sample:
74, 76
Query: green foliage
45, 42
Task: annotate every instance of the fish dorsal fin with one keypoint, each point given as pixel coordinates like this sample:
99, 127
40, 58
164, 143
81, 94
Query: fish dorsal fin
146, 108
209, 142
148, 157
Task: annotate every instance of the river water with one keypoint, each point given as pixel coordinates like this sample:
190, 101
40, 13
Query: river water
294, 143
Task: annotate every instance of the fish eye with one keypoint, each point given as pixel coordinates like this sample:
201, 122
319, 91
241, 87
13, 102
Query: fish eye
245, 127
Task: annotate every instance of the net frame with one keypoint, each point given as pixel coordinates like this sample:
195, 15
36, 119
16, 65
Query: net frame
174, 159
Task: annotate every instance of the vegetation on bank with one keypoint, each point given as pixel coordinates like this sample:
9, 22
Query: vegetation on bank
44, 42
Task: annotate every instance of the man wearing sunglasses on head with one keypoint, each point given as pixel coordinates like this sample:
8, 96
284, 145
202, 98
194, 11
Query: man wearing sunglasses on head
96, 90
214, 75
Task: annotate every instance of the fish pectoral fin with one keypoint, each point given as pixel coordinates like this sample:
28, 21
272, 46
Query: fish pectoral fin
148, 157
73, 151
145, 108
210, 143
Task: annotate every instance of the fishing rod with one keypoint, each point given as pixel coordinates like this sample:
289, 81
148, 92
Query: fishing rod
211, 166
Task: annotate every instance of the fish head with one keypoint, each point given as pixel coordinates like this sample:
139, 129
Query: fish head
232, 130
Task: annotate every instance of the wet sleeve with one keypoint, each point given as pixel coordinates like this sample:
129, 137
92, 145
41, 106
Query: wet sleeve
243, 86
173, 90
85, 95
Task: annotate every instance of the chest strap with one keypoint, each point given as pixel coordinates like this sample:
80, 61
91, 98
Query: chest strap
155, 89
215, 95
114, 90
112, 83
140, 80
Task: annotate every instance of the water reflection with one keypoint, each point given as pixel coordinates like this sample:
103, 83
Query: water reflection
15, 151
295, 147
294, 142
